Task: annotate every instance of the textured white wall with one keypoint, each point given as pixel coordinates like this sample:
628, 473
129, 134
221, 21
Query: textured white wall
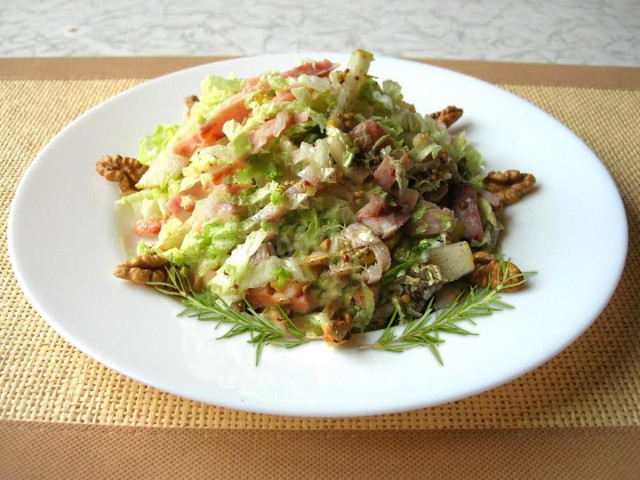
592, 32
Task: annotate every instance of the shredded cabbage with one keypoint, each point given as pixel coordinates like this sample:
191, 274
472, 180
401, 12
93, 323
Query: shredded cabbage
320, 192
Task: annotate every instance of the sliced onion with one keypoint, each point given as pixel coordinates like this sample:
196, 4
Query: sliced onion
361, 236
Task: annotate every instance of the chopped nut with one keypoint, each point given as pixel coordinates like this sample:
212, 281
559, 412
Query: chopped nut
325, 244
482, 258
340, 272
366, 256
143, 269
317, 259
448, 116
490, 274
510, 186
126, 171
337, 329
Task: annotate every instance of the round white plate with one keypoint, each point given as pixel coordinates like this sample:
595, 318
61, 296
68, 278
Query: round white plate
63, 246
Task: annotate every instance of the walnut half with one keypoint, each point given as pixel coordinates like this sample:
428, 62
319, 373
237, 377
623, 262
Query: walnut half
510, 186
488, 273
448, 116
126, 171
143, 269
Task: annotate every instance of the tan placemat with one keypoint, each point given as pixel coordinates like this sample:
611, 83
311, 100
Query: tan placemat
595, 382
63, 451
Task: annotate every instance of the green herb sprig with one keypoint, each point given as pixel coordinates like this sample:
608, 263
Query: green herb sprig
422, 332
426, 330
208, 307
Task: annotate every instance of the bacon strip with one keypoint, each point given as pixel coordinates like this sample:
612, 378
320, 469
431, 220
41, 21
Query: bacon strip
366, 134
321, 69
385, 174
233, 108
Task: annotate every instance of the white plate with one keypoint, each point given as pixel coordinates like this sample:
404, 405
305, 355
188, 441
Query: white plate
63, 246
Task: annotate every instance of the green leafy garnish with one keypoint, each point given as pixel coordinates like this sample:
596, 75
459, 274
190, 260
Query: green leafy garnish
422, 332
425, 331
208, 307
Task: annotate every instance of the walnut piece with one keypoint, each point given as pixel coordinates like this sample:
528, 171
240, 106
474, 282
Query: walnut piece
143, 269
338, 329
510, 186
126, 171
488, 273
448, 116
482, 258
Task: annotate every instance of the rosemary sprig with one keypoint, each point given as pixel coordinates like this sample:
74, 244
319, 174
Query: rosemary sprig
208, 307
262, 331
426, 330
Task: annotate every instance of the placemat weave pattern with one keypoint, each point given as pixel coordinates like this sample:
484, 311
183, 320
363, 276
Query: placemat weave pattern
71, 451
595, 382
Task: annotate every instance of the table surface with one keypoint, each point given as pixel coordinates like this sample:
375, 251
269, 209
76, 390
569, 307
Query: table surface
63, 415
584, 32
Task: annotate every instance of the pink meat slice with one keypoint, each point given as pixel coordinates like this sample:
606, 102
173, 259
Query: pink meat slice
321, 69
366, 134
385, 174
465, 207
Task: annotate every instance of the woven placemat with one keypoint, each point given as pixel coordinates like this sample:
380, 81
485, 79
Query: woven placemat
69, 451
594, 382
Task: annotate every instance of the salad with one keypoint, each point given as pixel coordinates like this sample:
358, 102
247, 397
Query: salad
316, 199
